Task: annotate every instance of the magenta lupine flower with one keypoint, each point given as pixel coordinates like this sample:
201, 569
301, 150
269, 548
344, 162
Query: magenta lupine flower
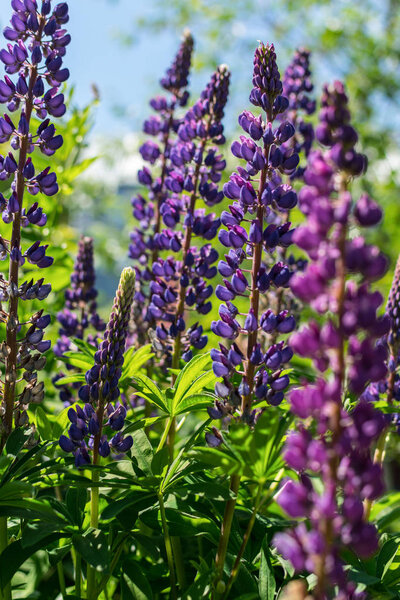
256, 226
80, 312
162, 126
101, 392
334, 443
182, 283
34, 54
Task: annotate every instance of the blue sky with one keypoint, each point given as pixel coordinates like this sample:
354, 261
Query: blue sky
125, 74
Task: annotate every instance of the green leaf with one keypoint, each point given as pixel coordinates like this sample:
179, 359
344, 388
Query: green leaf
75, 499
386, 556
76, 377
43, 424
142, 423
189, 374
86, 348
160, 461
195, 402
266, 582
93, 548
134, 360
143, 452
78, 359
215, 457
149, 391
136, 582
14, 490
58, 554
362, 577
14, 556
61, 423
186, 525
17, 440
34, 533
29, 508
117, 506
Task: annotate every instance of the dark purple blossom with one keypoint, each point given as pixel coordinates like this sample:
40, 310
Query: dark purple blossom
147, 240
182, 283
80, 312
255, 226
101, 392
33, 62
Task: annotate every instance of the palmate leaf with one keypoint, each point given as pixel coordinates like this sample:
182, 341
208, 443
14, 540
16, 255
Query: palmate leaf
134, 360
194, 402
254, 454
188, 393
148, 390
187, 377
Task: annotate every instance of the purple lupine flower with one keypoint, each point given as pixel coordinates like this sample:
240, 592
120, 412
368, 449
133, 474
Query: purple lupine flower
297, 86
334, 444
146, 242
80, 312
101, 393
34, 55
183, 284
389, 387
256, 225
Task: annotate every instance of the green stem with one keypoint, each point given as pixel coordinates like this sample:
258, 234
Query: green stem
179, 564
226, 530
94, 522
78, 574
61, 578
168, 547
165, 433
246, 537
6, 593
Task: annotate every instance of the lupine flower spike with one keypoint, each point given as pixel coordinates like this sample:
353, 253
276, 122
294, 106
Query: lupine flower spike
146, 241
257, 194
182, 284
34, 54
332, 442
101, 393
80, 312
297, 87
